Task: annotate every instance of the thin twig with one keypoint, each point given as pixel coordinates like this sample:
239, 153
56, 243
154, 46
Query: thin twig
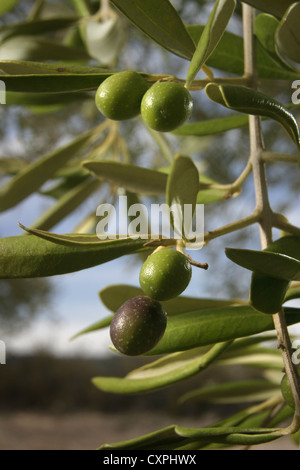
263, 207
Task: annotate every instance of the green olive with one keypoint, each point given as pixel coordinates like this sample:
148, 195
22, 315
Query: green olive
286, 391
165, 274
138, 325
119, 96
166, 106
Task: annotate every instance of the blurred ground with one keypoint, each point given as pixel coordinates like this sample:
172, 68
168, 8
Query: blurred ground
49, 403
85, 431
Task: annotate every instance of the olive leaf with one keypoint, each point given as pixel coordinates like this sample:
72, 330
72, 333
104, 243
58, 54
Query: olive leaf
130, 177
267, 294
43, 99
281, 259
161, 22
212, 33
181, 438
163, 373
36, 27
212, 126
249, 101
42, 256
209, 326
236, 391
181, 192
273, 269
229, 56
34, 175
288, 34
7, 5
114, 296
24, 67
275, 7
265, 26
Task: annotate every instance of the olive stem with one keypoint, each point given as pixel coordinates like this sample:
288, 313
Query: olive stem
263, 207
279, 157
233, 226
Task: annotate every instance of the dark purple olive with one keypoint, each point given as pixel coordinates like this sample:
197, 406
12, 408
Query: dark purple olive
138, 325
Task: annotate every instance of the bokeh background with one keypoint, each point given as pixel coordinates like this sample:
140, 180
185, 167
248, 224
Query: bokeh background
46, 396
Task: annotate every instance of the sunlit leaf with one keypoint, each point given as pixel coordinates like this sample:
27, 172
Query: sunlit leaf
208, 326
182, 189
281, 259
212, 33
249, 101
130, 177
32, 256
177, 368
229, 56
161, 22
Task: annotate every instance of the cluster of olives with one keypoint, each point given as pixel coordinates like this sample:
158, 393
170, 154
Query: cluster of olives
139, 324
164, 106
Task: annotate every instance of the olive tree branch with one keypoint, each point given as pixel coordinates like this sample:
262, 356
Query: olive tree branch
263, 207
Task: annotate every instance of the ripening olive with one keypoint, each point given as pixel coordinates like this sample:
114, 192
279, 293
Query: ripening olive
119, 96
165, 274
166, 106
138, 325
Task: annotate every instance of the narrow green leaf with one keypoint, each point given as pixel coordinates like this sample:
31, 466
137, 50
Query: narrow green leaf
288, 34
249, 101
208, 326
237, 391
37, 173
21, 67
167, 372
54, 83
99, 325
148, 441
161, 22
36, 48
212, 33
130, 177
275, 7
114, 296
37, 27
212, 126
66, 204
32, 256
43, 99
281, 259
229, 56
182, 189
7, 5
